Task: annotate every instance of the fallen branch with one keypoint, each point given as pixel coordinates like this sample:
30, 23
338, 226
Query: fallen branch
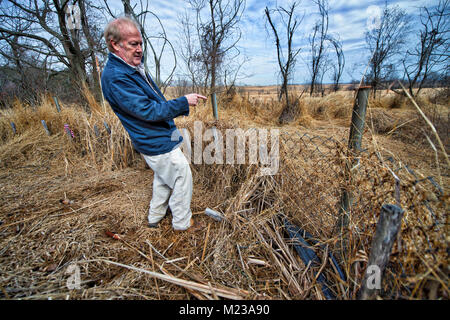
234, 294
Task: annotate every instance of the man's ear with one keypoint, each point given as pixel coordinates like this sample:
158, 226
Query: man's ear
116, 45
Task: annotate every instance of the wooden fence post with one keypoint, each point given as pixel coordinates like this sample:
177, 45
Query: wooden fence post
358, 119
354, 148
386, 232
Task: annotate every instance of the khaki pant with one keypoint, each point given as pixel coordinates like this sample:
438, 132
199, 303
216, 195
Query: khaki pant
172, 186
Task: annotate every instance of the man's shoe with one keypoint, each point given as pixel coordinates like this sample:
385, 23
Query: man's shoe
190, 228
153, 225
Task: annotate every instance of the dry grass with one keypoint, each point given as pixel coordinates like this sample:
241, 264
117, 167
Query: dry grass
106, 186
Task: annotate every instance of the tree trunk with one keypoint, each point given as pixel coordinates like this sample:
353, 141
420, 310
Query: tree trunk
90, 41
289, 110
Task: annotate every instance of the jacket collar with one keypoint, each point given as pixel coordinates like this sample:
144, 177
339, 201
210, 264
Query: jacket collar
116, 60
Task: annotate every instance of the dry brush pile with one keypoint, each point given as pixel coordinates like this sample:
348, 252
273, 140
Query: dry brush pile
61, 195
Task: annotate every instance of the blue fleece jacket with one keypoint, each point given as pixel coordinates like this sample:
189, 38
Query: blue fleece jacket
144, 112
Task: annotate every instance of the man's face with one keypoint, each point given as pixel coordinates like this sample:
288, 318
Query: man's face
130, 47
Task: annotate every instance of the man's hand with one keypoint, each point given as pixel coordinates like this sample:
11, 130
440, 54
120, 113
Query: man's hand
192, 98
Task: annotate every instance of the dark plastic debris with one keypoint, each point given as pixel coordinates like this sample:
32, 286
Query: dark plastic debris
308, 255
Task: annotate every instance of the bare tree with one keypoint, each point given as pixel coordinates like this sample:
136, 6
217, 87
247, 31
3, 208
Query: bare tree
338, 67
321, 42
92, 36
14, 53
190, 54
384, 43
318, 42
42, 28
218, 32
432, 50
20, 72
286, 60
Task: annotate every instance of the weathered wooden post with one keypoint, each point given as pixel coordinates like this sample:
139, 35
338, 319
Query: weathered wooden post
358, 119
386, 232
57, 104
355, 141
45, 127
354, 148
214, 105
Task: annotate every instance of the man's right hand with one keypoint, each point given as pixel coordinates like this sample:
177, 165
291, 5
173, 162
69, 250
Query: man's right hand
192, 98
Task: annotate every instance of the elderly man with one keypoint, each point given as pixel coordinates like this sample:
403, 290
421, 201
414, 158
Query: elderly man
148, 118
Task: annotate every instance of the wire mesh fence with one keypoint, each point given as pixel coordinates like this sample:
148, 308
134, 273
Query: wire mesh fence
313, 167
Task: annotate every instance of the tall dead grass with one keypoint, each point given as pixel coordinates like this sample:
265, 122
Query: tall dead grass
97, 135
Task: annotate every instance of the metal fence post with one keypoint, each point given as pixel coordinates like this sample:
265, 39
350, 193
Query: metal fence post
214, 105
57, 104
69, 131
45, 127
13, 126
107, 127
96, 131
386, 232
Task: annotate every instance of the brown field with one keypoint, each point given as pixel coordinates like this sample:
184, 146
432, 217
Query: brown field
60, 195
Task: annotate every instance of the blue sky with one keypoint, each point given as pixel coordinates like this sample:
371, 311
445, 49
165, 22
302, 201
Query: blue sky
347, 19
